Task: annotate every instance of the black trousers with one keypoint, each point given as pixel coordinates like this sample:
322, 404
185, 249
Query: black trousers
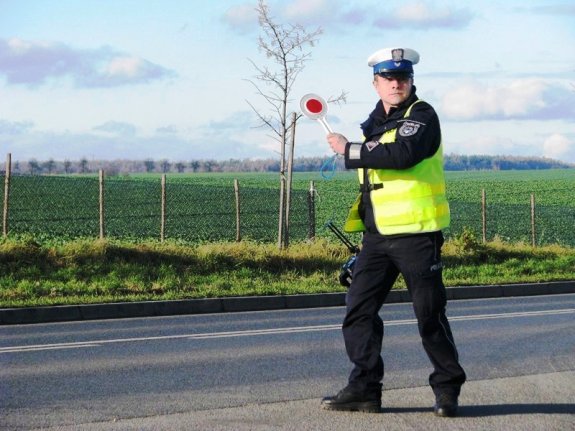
381, 260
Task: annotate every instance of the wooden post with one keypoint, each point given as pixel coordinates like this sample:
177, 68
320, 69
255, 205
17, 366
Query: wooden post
533, 237
6, 194
311, 210
289, 178
101, 181
282, 212
484, 215
238, 212
163, 210
281, 223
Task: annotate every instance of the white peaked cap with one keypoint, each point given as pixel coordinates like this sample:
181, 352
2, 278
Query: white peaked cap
393, 60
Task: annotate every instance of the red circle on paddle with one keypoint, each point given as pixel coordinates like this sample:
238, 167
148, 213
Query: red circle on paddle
314, 106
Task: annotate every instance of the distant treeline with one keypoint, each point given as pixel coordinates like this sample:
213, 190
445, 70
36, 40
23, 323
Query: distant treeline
453, 162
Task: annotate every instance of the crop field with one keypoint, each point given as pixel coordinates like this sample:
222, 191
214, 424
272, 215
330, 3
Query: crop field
508, 203
202, 207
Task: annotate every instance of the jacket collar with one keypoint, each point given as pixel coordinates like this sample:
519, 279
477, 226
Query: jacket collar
375, 123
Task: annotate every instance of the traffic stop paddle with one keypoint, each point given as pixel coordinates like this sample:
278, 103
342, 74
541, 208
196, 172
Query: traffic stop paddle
315, 108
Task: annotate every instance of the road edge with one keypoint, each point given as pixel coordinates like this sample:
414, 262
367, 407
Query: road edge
62, 313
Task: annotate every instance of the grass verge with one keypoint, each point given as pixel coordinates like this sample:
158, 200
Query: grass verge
97, 271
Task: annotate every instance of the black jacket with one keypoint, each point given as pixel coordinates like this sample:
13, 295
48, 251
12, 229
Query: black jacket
406, 152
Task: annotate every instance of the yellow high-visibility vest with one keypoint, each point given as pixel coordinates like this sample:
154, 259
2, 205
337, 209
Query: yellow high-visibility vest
410, 201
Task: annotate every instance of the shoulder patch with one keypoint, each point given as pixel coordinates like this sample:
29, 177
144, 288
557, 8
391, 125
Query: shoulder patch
409, 128
371, 145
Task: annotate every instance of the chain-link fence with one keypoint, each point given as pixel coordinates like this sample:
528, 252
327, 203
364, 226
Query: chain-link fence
536, 224
67, 207
72, 207
52, 206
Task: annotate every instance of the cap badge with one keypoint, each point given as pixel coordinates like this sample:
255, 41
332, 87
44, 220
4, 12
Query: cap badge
397, 55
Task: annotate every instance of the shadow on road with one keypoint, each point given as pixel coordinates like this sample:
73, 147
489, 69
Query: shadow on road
493, 410
515, 409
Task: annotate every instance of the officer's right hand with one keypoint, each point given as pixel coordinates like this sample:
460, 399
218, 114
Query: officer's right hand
337, 142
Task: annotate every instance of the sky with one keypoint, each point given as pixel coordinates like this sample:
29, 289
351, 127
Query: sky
170, 79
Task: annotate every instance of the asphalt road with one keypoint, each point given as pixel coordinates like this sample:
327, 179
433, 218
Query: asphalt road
268, 370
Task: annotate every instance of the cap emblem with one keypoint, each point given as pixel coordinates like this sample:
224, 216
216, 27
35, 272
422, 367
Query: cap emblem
397, 55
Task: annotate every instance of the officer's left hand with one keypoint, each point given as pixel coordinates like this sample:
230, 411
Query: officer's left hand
337, 142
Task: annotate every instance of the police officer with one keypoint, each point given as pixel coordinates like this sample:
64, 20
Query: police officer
401, 209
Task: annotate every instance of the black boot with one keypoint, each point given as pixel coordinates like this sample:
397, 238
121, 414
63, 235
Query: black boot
445, 405
349, 399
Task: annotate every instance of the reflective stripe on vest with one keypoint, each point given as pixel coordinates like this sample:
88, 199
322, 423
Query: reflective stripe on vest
410, 201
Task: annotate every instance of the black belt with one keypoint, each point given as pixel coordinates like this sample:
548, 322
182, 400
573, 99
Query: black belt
370, 187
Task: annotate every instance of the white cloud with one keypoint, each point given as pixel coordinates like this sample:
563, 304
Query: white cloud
169, 130
21, 47
324, 13
486, 145
229, 137
43, 145
34, 63
12, 128
236, 122
421, 15
559, 147
117, 128
242, 18
129, 67
553, 9
304, 11
531, 98
415, 15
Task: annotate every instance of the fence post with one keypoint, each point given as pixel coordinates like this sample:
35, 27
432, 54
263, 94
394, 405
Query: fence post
311, 210
101, 181
289, 178
6, 194
484, 215
163, 209
281, 223
238, 207
533, 219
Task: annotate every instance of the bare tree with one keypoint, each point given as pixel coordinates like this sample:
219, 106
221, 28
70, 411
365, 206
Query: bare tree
50, 165
34, 166
180, 167
83, 165
150, 165
285, 46
195, 165
165, 165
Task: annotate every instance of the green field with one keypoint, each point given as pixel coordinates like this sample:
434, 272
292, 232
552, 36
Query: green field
42, 265
201, 207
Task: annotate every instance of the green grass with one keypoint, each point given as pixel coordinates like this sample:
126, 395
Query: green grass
85, 271
201, 207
